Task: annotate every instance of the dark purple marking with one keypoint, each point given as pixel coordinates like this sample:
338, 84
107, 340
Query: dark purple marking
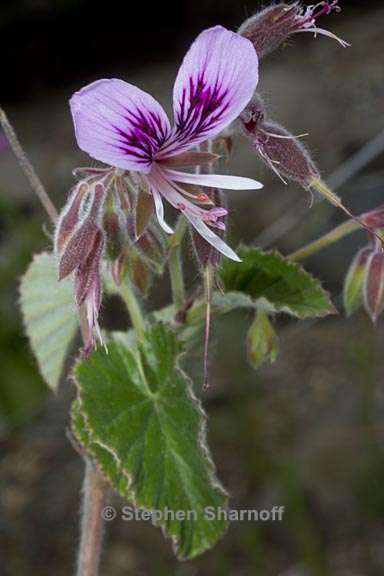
144, 135
201, 107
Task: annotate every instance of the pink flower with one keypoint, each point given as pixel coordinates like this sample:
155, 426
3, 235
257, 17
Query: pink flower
122, 126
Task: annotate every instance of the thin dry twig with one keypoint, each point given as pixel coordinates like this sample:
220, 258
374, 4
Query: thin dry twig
95, 487
27, 167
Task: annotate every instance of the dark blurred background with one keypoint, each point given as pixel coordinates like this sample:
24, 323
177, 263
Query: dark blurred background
307, 432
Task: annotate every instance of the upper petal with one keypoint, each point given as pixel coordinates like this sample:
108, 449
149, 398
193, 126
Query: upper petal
119, 124
216, 80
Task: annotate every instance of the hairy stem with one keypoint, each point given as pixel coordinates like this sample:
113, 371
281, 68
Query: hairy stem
95, 488
175, 265
176, 275
27, 167
94, 498
126, 292
337, 233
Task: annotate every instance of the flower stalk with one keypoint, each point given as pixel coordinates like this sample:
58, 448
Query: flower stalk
127, 293
327, 239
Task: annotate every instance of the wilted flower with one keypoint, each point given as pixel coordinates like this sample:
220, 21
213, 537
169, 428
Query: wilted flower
271, 27
121, 125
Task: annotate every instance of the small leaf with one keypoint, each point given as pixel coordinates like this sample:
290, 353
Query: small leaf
354, 281
138, 408
262, 341
49, 315
283, 283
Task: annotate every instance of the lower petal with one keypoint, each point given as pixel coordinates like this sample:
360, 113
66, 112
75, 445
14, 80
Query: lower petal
214, 180
211, 237
159, 208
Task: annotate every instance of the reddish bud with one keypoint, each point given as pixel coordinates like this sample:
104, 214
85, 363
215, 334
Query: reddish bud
284, 154
78, 248
114, 227
87, 272
69, 216
374, 218
131, 262
143, 212
374, 285
271, 28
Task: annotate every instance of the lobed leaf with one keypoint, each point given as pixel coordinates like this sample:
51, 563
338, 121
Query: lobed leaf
146, 430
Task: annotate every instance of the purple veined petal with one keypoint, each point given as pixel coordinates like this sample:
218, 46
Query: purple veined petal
208, 235
216, 80
215, 180
119, 124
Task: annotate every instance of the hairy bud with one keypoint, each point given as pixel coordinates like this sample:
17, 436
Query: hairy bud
374, 284
114, 228
79, 243
271, 28
280, 150
374, 218
354, 281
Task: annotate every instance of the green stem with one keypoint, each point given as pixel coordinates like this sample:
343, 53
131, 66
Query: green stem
127, 294
336, 234
175, 265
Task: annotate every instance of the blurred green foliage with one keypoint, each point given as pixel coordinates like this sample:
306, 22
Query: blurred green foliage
21, 386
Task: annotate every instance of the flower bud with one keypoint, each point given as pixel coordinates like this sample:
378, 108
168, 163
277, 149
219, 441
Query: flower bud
87, 273
262, 341
374, 218
79, 243
285, 154
271, 28
69, 216
374, 284
354, 281
131, 263
153, 248
143, 212
114, 228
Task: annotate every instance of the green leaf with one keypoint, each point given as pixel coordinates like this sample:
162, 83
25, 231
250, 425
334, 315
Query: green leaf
282, 283
146, 431
262, 341
49, 315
